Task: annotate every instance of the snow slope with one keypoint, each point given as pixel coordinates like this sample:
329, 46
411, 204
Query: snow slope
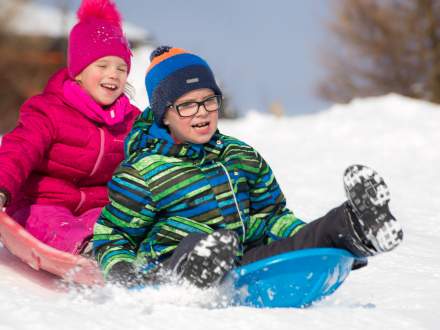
397, 136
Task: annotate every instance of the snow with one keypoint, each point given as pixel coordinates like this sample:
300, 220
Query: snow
397, 136
139, 64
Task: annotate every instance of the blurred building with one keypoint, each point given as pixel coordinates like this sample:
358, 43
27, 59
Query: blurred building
33, 42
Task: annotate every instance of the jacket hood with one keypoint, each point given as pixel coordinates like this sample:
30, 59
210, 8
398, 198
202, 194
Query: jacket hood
147, 138
56, 82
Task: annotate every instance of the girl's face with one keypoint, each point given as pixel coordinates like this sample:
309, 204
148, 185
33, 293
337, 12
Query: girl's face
104, 79
197, 127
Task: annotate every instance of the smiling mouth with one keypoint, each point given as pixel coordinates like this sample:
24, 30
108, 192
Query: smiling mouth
201, 125
111, 87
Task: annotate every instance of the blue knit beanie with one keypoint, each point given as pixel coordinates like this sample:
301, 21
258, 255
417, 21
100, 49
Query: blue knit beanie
172, 73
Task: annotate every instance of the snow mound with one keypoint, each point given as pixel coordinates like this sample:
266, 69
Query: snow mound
397, 136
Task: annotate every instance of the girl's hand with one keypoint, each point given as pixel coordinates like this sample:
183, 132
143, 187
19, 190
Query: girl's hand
2, 201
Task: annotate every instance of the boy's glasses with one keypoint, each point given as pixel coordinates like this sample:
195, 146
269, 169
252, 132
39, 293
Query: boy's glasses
189, 109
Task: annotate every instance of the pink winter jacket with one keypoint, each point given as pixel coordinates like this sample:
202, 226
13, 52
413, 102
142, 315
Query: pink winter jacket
58, 154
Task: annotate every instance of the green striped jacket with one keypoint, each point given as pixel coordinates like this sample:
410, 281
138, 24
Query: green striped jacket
164, 191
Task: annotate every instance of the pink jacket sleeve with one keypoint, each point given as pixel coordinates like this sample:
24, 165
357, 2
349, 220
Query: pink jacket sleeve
24, 148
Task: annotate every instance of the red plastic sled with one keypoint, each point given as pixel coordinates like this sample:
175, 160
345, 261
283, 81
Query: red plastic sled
39, 256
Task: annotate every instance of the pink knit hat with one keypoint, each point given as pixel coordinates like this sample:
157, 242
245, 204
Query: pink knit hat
97, 34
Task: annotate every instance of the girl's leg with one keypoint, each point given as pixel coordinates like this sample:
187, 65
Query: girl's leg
58, 227
83, 231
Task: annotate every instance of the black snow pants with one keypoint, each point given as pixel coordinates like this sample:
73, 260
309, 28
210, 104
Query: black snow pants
331, 230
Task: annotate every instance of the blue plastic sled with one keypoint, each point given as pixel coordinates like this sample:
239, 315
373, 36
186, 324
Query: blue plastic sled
292, 279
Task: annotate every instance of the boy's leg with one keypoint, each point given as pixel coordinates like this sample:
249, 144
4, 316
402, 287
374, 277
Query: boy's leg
180, 254
331, 230
203, 259
363, 225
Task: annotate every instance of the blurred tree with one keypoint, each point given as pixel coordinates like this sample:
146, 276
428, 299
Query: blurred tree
383, 46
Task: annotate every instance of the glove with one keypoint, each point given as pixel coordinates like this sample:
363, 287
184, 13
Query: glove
124, 273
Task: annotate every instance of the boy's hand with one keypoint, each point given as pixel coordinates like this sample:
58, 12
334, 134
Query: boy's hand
126, 274
123, 273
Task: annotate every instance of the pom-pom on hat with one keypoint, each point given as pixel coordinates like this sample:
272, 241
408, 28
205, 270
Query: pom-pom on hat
172, 73
97, 34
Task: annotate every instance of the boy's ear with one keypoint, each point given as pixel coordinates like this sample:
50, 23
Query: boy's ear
165, 120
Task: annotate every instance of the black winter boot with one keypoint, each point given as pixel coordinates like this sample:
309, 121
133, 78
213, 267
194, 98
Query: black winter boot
211, 259
368, 197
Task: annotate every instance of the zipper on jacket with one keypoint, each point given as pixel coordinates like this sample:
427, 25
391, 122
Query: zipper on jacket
101, 151
235, 200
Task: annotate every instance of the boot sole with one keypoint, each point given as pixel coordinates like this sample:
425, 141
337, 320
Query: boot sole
369, 196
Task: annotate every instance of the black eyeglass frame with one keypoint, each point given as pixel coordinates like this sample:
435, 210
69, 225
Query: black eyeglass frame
219, 102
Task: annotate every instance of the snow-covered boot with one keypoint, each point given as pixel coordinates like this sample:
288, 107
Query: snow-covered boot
368, 196
211, 259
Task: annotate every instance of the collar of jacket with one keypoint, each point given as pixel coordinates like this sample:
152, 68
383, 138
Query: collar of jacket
78, 98
147, 138
69, 92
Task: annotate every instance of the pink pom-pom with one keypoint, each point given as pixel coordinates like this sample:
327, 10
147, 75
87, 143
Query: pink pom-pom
101, 9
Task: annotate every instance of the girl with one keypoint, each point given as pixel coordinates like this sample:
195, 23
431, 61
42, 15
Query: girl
194, 202
55, 164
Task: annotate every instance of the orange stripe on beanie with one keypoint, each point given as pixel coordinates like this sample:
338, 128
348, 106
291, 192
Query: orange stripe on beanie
162, 57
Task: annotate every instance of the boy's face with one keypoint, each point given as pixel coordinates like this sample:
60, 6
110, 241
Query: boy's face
199, 127
104, 80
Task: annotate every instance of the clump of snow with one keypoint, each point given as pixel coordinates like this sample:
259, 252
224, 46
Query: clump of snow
397, 136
